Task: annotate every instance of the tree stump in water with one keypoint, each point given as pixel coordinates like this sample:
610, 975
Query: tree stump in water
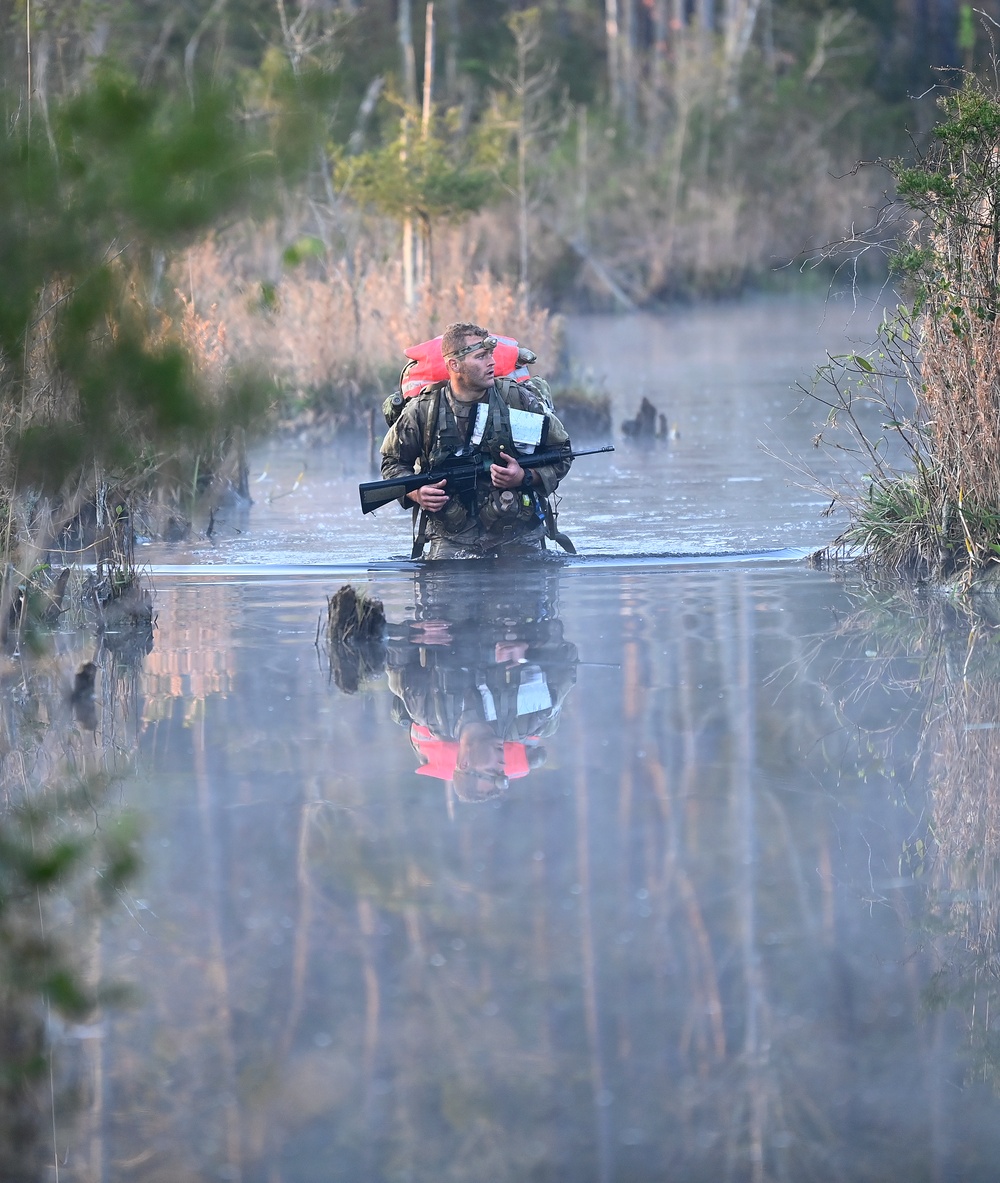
355, 631
648, 424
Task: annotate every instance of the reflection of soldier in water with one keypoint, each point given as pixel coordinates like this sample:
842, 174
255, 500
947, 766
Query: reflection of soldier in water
480, 681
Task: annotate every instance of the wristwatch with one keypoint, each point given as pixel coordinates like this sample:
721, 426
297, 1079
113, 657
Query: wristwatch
529, 479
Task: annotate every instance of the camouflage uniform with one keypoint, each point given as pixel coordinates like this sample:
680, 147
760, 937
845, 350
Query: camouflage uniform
433, 689
440, 683
500, 521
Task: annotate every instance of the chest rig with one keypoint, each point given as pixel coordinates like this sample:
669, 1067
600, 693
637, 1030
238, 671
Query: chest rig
506, 513
488, 429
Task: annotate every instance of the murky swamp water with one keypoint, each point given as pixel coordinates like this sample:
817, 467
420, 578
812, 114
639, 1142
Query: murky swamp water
730, 913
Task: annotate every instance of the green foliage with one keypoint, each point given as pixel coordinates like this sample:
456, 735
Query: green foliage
953, 190
90, 371
306, 247
47, 854
972, 118
422, 175
917, 183
891, 507
911, 261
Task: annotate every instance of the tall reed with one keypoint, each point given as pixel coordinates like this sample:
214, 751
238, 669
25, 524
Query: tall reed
940, 519
334, 329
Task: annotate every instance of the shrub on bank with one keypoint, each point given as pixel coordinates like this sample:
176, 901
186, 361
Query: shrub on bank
941, 519
98, 391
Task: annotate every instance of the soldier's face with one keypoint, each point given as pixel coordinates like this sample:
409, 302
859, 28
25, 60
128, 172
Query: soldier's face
480, 750
476, 368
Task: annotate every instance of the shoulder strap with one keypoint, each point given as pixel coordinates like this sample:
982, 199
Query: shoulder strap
435, 403
500, 393
510, 391
419, 532
431, 424
514, 392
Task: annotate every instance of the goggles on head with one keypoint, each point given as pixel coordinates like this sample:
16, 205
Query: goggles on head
487, 345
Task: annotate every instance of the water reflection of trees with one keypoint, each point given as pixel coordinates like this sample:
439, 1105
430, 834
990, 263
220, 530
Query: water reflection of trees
68, 723
950, 655
672, 951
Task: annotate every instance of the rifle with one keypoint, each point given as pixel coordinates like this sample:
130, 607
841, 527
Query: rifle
463, 474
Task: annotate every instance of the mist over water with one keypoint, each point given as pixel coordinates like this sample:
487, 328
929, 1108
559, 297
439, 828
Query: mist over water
718, 899
727, 379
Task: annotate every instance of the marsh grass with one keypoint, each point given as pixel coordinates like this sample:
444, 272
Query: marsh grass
894, 527
331, 331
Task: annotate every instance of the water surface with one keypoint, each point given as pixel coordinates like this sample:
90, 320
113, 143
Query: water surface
693, 937
741, 473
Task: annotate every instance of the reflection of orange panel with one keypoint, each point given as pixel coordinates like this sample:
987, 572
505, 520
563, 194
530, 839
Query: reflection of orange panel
193, 654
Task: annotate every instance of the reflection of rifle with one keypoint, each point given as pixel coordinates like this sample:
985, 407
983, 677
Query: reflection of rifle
463, 474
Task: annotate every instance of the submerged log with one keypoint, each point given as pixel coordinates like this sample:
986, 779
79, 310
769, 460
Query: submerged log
354, 617
124, 612
36, 604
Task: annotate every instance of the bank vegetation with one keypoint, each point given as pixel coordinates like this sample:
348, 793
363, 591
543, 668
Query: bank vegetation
928, 507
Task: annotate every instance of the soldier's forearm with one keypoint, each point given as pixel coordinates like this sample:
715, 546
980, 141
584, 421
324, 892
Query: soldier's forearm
548, 476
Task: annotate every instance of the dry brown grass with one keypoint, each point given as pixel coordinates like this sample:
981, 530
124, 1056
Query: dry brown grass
944, 655
960, 389
335, 328
954, 244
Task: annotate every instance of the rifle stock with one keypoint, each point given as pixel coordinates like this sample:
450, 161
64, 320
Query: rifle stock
462, 475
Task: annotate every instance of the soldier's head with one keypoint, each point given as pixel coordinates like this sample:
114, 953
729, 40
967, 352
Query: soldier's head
478, 765
474, 787
468, 355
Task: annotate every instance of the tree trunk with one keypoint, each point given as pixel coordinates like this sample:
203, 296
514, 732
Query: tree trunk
451, 51
658, 71
404, 27
29, 80
741, 16
408, 278
614, 55
582, 174
629, 81
425, 122
424, 268
523, 136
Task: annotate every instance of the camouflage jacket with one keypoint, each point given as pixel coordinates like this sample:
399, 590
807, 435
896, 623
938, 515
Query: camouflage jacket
521, 701
414, 444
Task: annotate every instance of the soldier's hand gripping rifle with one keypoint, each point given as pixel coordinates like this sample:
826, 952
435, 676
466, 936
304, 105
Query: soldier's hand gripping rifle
463, 474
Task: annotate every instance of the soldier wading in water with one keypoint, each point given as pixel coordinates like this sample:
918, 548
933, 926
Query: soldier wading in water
468, 414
